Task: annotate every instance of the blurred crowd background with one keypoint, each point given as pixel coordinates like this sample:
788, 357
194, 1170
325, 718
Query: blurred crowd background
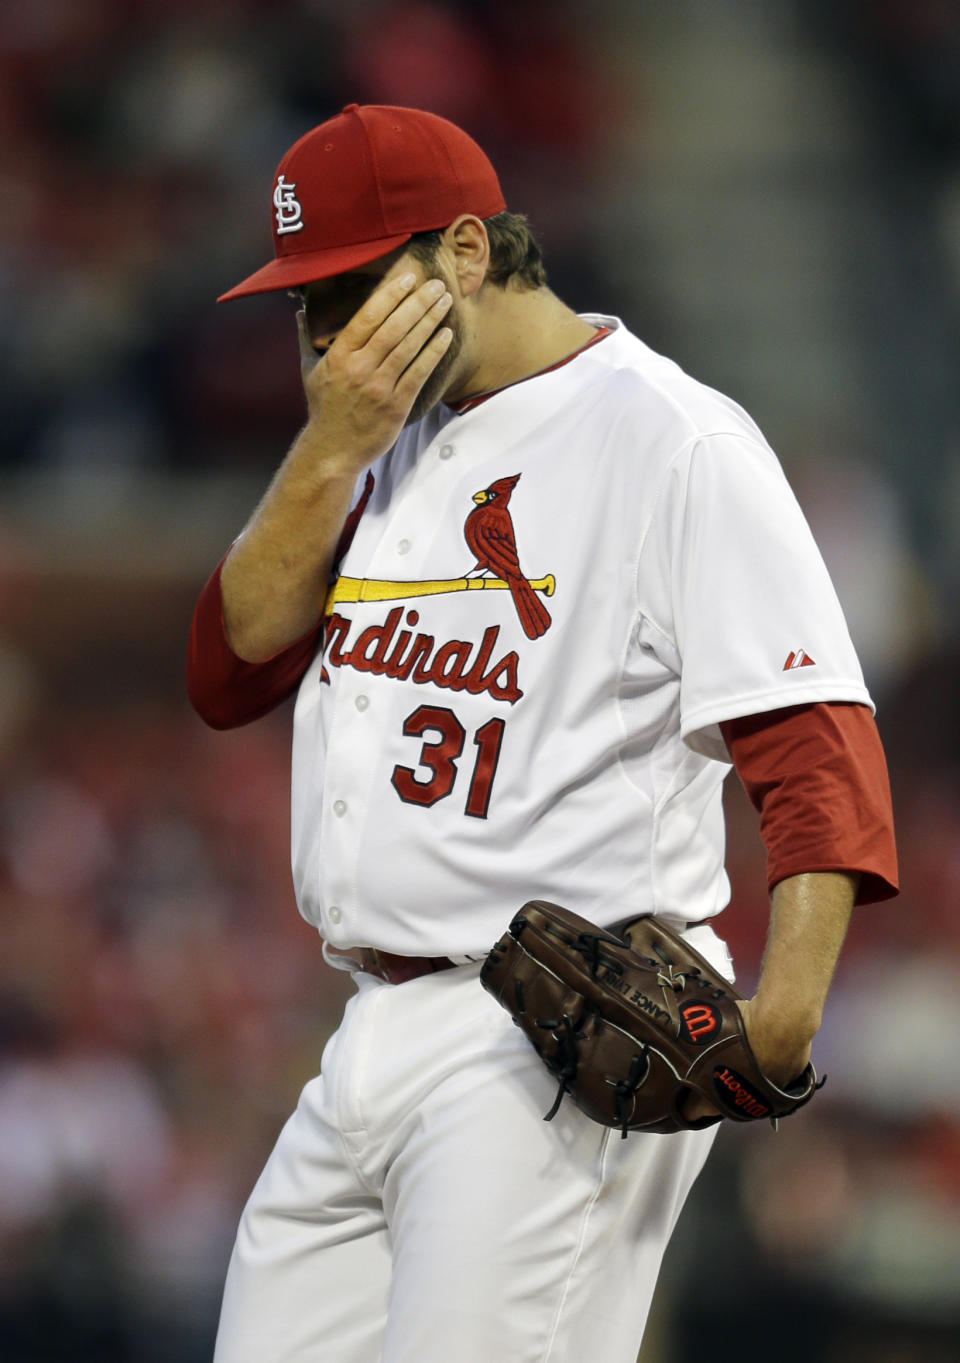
770, 192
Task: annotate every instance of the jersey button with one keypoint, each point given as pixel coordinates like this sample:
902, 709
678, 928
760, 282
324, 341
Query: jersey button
403, 547
339, 808
361, 703
446, 451
334, 914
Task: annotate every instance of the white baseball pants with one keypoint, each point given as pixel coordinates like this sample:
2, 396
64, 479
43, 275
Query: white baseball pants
417, 1208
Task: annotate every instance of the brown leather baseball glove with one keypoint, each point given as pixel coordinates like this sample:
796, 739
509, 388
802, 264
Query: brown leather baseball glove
632, 1023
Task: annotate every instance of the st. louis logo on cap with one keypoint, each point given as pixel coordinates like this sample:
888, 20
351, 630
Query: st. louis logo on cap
288, 207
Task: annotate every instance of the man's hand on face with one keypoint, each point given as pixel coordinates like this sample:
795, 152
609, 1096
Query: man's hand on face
361, 389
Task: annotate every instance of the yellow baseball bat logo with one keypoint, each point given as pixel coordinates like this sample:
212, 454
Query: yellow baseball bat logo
347, 589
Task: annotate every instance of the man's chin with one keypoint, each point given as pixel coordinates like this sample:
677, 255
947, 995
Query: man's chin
425, 403
441, 379
433, 391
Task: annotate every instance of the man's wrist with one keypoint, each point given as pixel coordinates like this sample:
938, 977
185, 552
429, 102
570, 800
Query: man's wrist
324, 459
781, 1044
784, 1021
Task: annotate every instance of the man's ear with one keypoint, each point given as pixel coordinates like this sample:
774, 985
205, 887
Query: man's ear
469, 246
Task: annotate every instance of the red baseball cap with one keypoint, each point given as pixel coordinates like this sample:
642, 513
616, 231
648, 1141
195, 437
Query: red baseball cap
361, 184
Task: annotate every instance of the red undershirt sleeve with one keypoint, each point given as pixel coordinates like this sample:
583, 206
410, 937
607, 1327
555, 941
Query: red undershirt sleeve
224, 690
818, 776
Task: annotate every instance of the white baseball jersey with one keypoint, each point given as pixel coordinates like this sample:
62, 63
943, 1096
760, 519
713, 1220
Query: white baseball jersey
467, 740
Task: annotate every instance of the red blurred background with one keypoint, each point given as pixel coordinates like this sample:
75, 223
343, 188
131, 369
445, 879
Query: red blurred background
771, 194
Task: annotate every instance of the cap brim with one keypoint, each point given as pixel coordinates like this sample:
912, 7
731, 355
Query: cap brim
290, 271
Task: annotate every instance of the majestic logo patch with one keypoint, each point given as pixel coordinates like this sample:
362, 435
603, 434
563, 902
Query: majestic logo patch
798, 659
289, 213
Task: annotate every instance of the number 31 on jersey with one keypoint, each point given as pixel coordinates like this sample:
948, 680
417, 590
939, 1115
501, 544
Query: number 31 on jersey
440, 756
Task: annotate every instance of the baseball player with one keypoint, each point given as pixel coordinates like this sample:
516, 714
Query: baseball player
537, 590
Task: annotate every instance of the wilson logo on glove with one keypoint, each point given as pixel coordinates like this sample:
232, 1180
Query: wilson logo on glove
698, 1022
733, 1090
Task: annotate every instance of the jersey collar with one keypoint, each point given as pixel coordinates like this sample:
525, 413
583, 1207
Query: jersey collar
475, 399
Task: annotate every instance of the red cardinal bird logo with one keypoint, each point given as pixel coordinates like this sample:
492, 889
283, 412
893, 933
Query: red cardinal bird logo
489, 535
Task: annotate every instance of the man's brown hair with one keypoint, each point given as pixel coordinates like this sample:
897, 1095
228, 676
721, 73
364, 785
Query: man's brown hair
514, 251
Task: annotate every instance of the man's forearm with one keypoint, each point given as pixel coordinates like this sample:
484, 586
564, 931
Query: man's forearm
274, 579
809, 916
